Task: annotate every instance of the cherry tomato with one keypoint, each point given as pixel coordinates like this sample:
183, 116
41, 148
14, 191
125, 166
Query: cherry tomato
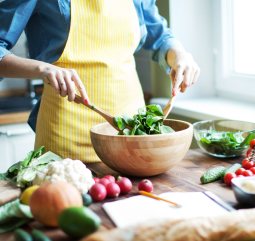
252, 143
247, 173
249, 152
248, 165
244, 160
240, 176
240, 171
252, 170
228, 177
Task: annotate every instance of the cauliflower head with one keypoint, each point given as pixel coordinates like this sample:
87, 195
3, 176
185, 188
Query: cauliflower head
68, 170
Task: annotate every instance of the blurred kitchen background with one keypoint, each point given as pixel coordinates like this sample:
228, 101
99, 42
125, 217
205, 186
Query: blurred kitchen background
218, 34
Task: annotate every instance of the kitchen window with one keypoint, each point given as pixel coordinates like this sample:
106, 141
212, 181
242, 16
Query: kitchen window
234, 48
225, 89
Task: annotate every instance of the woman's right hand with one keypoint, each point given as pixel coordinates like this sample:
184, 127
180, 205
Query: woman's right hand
63, 81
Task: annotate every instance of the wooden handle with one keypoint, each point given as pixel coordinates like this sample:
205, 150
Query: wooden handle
169, 105
108, 117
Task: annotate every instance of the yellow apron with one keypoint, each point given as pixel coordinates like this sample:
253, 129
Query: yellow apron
103, 36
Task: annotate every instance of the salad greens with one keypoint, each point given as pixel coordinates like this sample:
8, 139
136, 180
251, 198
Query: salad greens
224, 143
23, 172
149, 120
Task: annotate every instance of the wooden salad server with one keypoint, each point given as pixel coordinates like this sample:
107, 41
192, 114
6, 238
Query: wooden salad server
108, 117
169, 105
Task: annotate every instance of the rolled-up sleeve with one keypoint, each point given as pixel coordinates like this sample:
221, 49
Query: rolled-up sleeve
14, 15
160, 38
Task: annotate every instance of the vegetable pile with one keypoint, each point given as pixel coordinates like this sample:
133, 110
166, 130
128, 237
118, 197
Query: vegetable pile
23, 172
108, 187
148, 121
224, 143
72, 171
236, 170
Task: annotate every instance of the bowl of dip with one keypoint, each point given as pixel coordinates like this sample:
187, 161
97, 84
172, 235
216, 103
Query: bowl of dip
244, 189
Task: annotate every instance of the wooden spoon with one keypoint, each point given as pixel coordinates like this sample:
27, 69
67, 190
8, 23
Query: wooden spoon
169, 105
108, 117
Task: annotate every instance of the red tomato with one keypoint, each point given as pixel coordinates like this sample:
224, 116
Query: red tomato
248, 165
228, 177
240, 176
249, 152
245, 160
240, 171
252, 143
252, 170
247, 173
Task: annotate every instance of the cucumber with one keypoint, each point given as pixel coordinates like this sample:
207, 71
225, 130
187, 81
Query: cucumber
21, 235
87, 200
213, 174
39, 236
231, 169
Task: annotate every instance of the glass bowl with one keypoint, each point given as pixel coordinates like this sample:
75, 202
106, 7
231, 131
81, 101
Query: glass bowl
224, 138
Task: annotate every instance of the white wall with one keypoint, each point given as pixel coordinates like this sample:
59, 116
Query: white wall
191, 22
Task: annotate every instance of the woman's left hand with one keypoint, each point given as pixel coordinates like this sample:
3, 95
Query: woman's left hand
181, 63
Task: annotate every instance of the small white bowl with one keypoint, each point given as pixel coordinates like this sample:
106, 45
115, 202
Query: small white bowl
243, 196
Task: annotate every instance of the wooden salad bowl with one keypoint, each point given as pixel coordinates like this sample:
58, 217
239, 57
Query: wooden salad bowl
142, 155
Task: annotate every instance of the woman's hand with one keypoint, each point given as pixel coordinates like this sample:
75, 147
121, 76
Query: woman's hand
181, 63
63, 81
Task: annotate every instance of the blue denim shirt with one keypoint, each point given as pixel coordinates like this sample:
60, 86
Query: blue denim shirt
47, 22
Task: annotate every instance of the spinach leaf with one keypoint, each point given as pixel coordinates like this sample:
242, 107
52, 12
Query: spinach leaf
166, 129
119, 122
142, 111
129, 121
156, 109
148, 121
127, 132
139, 132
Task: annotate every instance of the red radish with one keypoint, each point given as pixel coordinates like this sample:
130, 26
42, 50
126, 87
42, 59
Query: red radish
113, 189
104, 181
98, 192
96, 179
125, 184
110, 178
145, 185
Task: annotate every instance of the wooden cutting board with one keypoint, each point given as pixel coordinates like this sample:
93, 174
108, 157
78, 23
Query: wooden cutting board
8, 192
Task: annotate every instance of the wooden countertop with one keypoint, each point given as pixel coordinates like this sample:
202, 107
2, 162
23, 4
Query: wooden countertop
184, 177
13, 118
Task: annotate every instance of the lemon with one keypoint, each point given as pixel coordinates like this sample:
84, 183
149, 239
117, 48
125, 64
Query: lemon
25, 196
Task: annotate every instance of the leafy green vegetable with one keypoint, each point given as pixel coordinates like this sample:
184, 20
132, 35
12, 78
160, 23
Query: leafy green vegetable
119, 122
127, 132
149, 120
166, 129
224, 143
22, 173
129, 120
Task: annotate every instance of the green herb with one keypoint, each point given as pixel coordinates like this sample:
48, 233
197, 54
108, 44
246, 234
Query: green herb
22, 173
149, 120
224, 143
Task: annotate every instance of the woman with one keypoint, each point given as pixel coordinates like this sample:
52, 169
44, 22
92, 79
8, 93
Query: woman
86, 45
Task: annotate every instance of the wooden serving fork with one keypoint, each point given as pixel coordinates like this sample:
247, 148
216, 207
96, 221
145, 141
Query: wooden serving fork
108, 117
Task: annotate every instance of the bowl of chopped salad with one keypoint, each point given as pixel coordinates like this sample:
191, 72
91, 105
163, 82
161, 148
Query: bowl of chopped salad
224, 138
